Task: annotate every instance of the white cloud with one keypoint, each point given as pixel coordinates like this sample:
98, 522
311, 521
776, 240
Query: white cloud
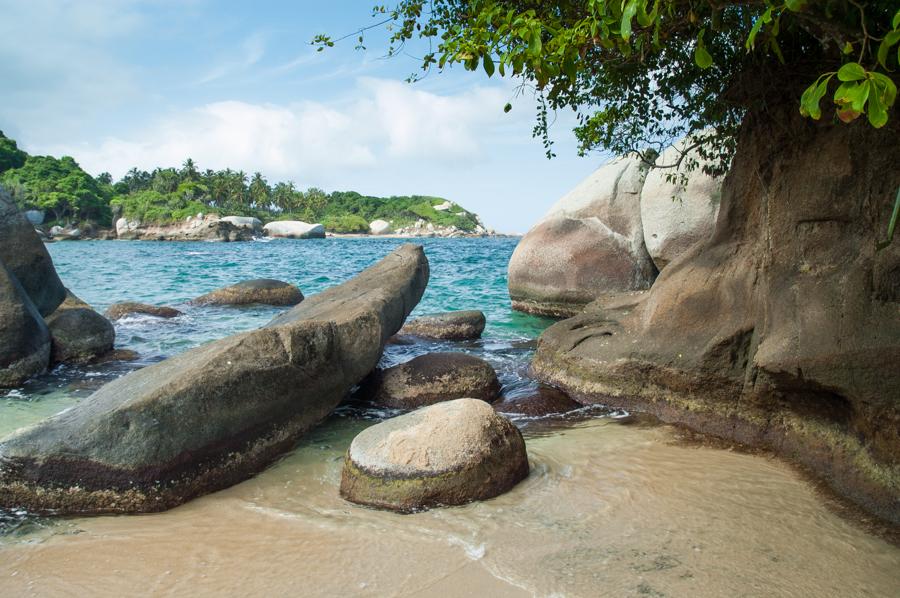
309, 142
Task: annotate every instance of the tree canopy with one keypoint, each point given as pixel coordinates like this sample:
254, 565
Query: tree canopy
642, 73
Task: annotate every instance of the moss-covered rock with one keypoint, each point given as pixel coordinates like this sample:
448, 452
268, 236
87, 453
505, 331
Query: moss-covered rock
446, 454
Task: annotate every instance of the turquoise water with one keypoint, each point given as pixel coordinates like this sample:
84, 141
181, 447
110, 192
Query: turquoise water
465, 274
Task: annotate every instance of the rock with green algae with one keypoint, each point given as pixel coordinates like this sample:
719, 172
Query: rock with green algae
447, 454
214, 415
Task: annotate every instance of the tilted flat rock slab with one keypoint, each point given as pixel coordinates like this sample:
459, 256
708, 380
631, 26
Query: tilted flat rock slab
217, 414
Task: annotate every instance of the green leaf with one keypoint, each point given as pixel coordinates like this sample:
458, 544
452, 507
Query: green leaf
812, 97
851, 72
627, 15
848, 48
508, 107
488, 63
757, 25
889, 40
886, 86
795, 5
877, 113
701, 56
895, 24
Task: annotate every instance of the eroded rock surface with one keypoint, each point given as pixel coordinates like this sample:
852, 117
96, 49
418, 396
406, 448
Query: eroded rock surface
117, 311
294, 229
545, 401
446, 454
79, 335
432, 378
24, 338
451, 325
261, 290
214, 415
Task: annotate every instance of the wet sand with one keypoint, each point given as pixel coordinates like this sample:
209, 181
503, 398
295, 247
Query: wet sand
608, 510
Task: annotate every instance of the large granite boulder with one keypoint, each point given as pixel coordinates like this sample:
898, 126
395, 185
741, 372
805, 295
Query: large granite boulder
590, 242
677, 213
782, 329
433, 378
79, 335
294, 229
26, 258
266, 291
446, 454
249, 222
214, 415
451, 325
123, 309
380, 227
24, 339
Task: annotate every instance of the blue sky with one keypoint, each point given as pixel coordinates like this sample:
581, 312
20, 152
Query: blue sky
122, 83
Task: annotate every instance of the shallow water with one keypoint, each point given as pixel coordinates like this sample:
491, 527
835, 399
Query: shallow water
613, 507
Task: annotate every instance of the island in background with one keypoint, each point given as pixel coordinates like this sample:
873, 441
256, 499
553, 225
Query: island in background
65, 202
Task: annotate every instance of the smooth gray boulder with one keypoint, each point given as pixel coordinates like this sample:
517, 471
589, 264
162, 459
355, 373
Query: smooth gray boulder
24, 339
79, 335
254, 224
451, 325
380, 227
260, 290
214, 415
27, 259
590, 242
676, 214
545, 401
446, 454
433, 378
294, 229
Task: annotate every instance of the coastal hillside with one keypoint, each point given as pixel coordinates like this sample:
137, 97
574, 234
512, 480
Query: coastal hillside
66, 195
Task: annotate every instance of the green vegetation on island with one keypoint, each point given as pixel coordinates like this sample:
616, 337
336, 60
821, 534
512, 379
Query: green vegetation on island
67, 194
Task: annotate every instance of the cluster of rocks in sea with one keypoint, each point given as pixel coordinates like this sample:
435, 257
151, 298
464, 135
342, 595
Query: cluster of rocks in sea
219, 413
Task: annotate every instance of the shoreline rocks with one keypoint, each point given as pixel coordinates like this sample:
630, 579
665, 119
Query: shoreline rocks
264, 291
380, 227
214, 415
545, 401
433, 378
120, 310
294, 229
24, 338
447, 454
452, 325
79, 335
199, 228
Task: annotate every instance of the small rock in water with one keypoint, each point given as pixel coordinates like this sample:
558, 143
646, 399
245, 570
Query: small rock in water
79, 335
261, 290
433, 378
446, 454
119, 310
546, 401
453, 325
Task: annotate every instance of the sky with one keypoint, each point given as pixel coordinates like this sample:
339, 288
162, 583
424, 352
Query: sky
144, 83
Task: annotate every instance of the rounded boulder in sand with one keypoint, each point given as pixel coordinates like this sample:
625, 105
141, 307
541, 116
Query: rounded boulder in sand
446, 454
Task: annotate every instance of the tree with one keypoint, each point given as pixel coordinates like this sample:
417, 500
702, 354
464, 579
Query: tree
641, 73
259, 191
10, 154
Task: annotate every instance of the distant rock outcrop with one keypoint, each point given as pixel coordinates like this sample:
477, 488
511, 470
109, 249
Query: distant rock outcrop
294, 229
194, 228
380, 227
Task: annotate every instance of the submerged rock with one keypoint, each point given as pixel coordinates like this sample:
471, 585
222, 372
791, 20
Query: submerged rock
453, 325
24, 338
26, 258
117, 311
261, 290
79, 335
294, 229
590, 242
446, 454
214, 415
546, 401
433, 378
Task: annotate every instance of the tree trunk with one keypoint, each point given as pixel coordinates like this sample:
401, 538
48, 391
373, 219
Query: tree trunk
782, 330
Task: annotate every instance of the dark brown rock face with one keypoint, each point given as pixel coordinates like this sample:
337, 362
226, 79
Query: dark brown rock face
262, 290
433, 378
24, 339
446, 454
27, 259
117, 311
452, 325
79, 335
783, 330
214, 415
546, 401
